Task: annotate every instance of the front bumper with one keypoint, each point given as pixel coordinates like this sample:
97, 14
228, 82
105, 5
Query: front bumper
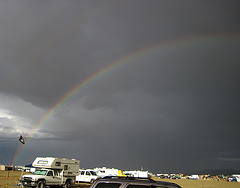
28, 183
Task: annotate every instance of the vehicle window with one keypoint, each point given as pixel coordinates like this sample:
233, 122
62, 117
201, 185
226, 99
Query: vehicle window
82, 172
93, 173
108, 185
50, 173
55, 173
138, 186
58, 164
40, 172
88, 173
65, 167
42, 162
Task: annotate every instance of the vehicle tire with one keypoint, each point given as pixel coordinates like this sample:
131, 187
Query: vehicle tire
92, 180
40, 184
67, 184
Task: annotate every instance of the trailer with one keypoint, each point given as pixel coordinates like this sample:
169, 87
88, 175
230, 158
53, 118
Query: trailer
137, 173
103, 172
52, 171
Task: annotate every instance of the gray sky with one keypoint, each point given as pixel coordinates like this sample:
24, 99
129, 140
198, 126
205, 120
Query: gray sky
170, 105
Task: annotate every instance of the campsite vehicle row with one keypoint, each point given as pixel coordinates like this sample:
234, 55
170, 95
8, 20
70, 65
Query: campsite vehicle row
50, 171
89, 175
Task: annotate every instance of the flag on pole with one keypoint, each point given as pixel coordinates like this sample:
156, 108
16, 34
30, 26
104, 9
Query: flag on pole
21, 139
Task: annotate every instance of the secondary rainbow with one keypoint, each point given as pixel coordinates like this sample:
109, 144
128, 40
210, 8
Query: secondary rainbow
159, 47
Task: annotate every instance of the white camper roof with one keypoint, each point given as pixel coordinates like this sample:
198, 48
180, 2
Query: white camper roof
52, 162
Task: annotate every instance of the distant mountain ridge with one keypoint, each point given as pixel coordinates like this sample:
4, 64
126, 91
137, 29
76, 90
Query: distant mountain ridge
214, 172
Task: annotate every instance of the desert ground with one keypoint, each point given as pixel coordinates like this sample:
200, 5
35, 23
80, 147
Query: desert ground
10, 179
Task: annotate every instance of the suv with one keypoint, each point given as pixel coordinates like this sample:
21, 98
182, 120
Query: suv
131, 182
86, 176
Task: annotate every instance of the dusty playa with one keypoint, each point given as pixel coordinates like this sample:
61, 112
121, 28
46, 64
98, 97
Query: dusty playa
10, 179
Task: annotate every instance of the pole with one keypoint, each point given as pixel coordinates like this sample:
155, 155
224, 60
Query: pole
12, 157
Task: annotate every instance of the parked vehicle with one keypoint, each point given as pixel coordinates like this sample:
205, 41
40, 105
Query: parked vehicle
137, 173
234, 177
102, 172
87, 175
194, 177
51, 172
131, 182
162, 176
231, 178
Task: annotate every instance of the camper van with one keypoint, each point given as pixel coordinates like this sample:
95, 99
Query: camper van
52, 172
137, 173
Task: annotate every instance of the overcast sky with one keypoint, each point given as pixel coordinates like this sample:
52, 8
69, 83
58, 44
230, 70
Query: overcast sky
170, 105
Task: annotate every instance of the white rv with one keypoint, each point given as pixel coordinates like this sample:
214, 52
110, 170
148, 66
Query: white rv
103, 172
137, 173
51, 172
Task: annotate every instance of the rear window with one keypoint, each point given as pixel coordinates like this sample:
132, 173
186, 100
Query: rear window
108, 185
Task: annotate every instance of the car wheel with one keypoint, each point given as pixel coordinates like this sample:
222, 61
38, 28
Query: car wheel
67, 184
40, 184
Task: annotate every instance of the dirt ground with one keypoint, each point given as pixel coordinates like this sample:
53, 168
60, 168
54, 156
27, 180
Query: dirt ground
186, 183
10, 179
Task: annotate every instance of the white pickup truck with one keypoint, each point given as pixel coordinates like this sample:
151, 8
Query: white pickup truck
52, 172
43, 177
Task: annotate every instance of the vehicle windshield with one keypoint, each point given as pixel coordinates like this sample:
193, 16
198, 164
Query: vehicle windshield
40, 172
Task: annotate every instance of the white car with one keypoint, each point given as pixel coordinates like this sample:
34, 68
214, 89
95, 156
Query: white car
194, 177
86, 176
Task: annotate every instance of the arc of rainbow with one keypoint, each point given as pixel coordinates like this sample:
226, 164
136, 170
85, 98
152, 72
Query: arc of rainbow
160, 47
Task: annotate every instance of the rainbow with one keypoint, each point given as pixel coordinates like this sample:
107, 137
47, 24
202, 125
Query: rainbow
159, 47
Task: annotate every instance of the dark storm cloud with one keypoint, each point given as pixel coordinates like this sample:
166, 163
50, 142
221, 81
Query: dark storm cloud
36, 38
165, 104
